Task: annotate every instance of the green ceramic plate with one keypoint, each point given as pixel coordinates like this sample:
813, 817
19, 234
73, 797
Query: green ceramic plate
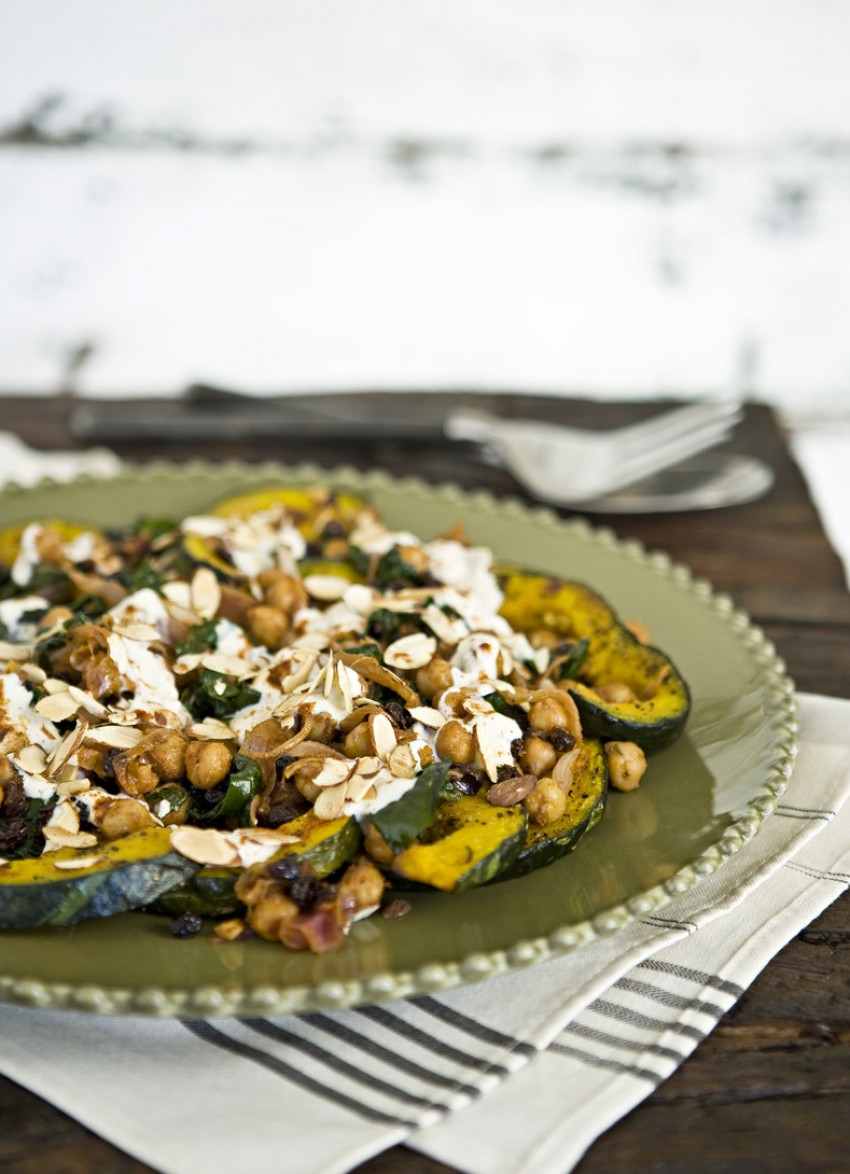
701, 800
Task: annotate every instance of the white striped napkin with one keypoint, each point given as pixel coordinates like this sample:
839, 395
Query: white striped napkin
583, 1039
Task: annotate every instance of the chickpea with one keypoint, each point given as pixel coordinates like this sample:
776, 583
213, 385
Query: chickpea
434, 677
268, 625
284, 592
124, 816
377, 846
538, 756
456, 742
207, 763
626, 765
546, 803
269, 917
134, 776
322, 727
364, 883
165, 751
358, 742
547, 715
306, 787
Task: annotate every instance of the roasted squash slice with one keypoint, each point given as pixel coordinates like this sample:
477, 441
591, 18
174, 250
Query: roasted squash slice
72, 884
469, 843
585, 806
658, 709
325, 845
312, 510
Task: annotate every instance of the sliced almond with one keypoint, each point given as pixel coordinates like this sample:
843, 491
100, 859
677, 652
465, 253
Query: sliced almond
116, 737
210, 730
65, 816
330, 675
477, 706
74, 786
187, 663
134, 630
325, 588
228, 666
205, 593
330, 803
360, 598
32, 673
9, 651
57, 707
448, 629
62, 754
382, 733
32, 759
58, 837
87, 702
411, 652
54, 685
511, 791
204, 846
357, 787
427, 716
403, 762
78, 862
335, 771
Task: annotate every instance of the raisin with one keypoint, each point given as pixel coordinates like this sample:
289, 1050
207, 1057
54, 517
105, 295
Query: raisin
307, 892
13, 833
186, 925
561, 740
400, 716
285, 869
14, 799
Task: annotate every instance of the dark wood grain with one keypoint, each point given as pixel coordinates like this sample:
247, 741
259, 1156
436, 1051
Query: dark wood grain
769, 1089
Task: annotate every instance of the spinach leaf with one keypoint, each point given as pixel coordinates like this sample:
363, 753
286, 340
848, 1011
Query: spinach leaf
198, 639
243, 783
21, 835
573, 663
213, 695
401, 822
392, 569
505, 707
143, 574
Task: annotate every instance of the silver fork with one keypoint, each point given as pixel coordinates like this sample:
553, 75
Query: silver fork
566, 466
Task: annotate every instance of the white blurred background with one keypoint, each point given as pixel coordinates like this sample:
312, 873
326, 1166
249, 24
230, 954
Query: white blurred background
621, 198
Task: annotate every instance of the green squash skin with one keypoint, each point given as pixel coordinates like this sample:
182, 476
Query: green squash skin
453, 834
210, 891
130, 874
656, 719
585, 807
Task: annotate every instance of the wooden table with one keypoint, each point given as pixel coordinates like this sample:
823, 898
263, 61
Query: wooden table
769, 1089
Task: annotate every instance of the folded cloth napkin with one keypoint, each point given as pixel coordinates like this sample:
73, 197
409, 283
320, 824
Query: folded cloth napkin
583, 1038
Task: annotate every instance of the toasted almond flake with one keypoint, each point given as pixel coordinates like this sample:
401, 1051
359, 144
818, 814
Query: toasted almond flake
204, 846
205, 593
427, 716
79, 862
134, 630
325, 588
357, 787
187, 663
210, 730
58, 837
330, 674
403, 762
228, 666
330, 803
477, 706
74, 786
9, 651
448, 629
32, 673
302, 661
343, 679
183, 614
334, 772
89, 703
492, 733
57, 707
511, 791
116, 737
65, 816
360, 598
411, 652
177, 591
54, 685
382, 733
62, 754
32, 759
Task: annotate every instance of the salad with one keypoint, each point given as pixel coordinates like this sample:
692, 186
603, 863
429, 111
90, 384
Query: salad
285, 716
